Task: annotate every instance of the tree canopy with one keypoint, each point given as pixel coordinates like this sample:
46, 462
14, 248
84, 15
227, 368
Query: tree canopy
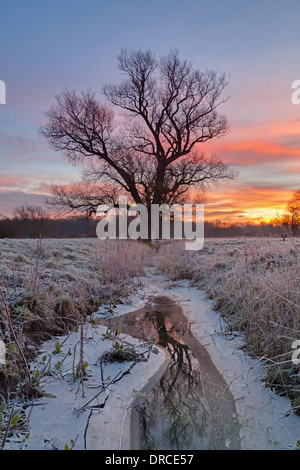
144, 139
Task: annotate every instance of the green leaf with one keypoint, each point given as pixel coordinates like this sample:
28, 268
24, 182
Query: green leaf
14, 420
58, 365
48, 395
57, 348
13, 348
2, 407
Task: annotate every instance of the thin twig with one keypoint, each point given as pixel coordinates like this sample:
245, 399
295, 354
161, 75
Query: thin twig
7, 427
15, 339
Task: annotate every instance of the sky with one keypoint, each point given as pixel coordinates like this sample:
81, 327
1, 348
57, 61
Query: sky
49, 45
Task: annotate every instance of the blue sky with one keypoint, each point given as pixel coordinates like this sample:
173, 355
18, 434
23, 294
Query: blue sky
49, 45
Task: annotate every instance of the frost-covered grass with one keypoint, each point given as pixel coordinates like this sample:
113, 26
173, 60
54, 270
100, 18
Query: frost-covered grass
62, 264
49, 286
255, 285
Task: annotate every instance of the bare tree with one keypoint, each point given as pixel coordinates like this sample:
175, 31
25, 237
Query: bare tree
291, 218
293, 209
149, 149
33, 220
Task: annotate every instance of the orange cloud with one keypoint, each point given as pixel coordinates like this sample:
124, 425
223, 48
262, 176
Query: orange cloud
267, 154
270, 141
245, 202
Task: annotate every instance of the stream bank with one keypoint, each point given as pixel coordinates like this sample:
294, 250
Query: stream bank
264, 419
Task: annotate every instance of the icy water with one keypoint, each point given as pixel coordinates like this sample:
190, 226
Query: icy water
190, 406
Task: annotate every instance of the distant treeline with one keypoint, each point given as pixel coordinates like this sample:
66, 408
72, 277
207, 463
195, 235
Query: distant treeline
83, 227
221, 229
73, 227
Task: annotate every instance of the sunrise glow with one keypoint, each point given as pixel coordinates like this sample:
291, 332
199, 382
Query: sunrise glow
263, 144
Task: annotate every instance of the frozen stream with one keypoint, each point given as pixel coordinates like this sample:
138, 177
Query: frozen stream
190, 407
200, 390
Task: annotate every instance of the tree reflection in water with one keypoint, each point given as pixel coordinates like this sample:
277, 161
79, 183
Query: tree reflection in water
190, 408
176, 415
